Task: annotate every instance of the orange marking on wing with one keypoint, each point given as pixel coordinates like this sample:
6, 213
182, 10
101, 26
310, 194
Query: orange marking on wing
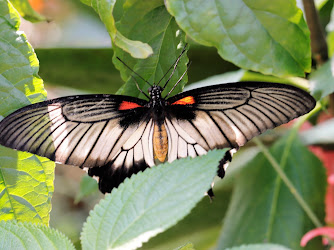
128, 105
185, 100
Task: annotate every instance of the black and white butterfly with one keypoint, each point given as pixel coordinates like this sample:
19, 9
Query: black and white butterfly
115, 136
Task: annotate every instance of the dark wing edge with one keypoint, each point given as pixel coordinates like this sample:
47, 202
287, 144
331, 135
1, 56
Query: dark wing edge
229, 115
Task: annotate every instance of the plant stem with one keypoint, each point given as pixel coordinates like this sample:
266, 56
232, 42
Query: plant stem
288, 183
318, 40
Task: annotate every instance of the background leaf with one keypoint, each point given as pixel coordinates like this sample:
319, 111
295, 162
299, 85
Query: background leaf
149, 22
104, 9
88, 186
19, 81
322, 80
26, 186
320, 134
254, 35
26, 11
263, 209
27, 236
149, 202
259, 247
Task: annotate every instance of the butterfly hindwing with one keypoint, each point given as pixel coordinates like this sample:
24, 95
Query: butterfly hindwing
135, 155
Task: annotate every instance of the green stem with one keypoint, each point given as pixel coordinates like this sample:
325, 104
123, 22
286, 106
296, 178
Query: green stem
288, 183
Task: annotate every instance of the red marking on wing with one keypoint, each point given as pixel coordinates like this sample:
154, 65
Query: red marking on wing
185, 100
128, 105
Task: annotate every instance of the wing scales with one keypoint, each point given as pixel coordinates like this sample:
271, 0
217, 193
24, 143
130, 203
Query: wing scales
180, 143
135, 155
229, 115
79, 130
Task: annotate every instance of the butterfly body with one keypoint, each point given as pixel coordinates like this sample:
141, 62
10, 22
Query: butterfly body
115, 136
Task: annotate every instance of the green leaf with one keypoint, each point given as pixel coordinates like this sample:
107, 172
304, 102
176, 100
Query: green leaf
26, 186
88, 186
149, 202
259, 247
19, 81
26, 181
27, 236
188, 246
242, 75
26, 11
263, 209
233, 76
104, 9
269, 37
150, 22
322, 80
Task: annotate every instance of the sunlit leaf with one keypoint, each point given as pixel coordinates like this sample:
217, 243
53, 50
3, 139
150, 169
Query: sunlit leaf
19, 81
26, 181
26, 186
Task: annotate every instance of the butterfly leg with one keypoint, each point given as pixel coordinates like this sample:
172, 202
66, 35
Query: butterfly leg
223, 164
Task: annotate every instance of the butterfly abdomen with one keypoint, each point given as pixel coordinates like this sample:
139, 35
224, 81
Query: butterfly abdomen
160, 142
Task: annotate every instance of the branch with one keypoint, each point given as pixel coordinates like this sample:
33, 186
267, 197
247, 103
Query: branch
318, 40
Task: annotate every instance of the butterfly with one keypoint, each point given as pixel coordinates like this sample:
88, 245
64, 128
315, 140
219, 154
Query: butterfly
115, 136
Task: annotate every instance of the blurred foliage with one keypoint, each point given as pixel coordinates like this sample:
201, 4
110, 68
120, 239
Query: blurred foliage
92, 70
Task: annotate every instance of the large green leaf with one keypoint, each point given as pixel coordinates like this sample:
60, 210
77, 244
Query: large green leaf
322, 80
20, 84
28, 236
26, 181
104, 9
26, 186
26, 11
149, 202
266, 36
263, 209
150, 22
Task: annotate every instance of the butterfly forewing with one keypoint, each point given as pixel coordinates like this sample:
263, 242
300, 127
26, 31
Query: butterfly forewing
86, 131
229, 115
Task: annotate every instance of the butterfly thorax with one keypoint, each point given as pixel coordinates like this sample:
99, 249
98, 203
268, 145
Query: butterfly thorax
156, 100
160, 139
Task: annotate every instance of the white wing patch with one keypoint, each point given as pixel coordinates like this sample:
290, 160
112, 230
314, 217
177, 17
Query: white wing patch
180, 143
137, 149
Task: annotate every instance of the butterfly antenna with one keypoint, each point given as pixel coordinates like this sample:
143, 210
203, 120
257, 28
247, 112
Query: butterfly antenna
139, 88
173, 65
178, 80
133, 71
